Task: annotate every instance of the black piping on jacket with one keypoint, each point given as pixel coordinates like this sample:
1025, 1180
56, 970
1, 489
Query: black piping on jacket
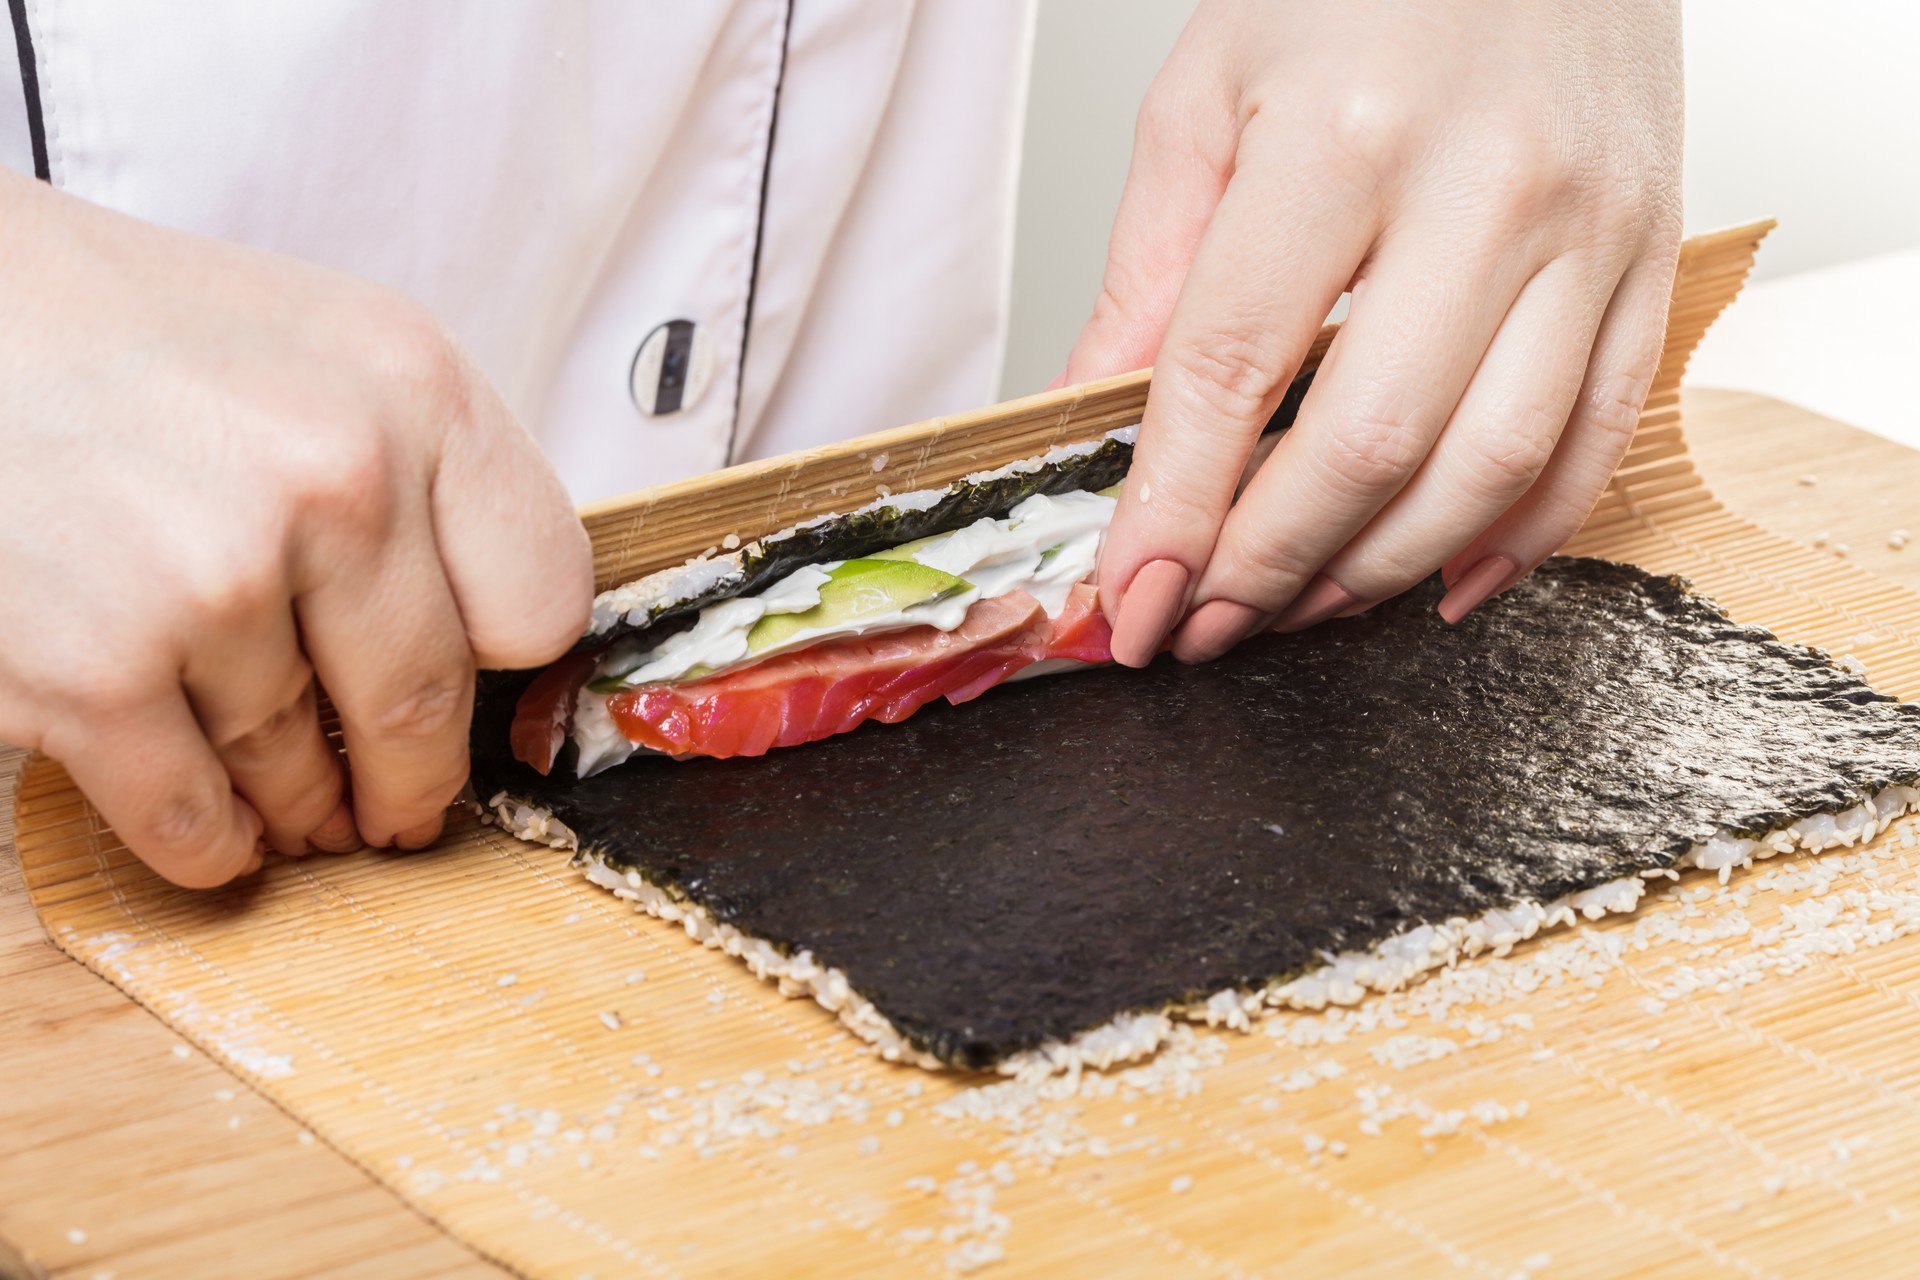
759, 229
30, 83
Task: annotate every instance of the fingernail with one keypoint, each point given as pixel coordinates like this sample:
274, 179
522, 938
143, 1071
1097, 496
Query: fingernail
1354, 610
420, 837
1148, 610
1216, 627
1322, 599
1489, 577
337, 834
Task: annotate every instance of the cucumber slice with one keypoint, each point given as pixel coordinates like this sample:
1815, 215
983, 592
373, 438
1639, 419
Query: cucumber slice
855, 592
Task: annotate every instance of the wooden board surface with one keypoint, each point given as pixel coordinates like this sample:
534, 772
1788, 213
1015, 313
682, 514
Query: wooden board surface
125, 1150
1644, 1148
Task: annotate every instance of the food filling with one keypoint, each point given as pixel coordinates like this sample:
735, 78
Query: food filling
832, 645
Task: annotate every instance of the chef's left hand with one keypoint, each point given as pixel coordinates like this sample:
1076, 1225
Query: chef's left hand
1497, 182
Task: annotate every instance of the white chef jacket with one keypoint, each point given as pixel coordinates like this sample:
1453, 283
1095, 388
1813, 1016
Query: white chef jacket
822, 188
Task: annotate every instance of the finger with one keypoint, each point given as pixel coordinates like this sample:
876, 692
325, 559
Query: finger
1498, 440
1626, 355
149, 770
1183, 144
513, 550
387, 640
287, 771
1283, 245
1419, 324
252, 690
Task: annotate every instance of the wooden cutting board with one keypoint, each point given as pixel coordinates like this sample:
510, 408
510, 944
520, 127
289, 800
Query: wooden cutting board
1718, 1132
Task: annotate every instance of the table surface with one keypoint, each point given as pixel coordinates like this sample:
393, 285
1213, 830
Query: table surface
254, 1207
1838, 341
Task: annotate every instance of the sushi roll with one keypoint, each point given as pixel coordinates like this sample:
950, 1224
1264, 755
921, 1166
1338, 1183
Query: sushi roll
815, 630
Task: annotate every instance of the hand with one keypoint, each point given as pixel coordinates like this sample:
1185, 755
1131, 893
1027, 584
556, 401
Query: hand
225, 472
1497, 181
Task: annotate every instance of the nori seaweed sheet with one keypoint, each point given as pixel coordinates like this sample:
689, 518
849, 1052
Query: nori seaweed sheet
1057, 852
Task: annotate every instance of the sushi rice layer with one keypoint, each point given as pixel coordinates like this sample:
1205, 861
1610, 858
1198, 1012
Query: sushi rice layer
1135, 1034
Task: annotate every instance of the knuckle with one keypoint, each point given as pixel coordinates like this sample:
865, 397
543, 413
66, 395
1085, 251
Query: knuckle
1372, 451
1613, 408
1365, 129
1520, 173
1127, 295
280, 732
1137, 285
227, 589
419, 352
65, 736
185, 818
1160, 123
1507, 463
1264, 571
1108, 309
1230, 376
432, 707
352, 484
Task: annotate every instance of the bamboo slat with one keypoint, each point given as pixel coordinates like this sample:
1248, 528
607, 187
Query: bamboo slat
1707, 1087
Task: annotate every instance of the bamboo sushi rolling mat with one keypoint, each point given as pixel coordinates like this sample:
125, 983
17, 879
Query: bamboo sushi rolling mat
1726, 1082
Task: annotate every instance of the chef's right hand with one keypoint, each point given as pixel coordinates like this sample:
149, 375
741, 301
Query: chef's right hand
227, 471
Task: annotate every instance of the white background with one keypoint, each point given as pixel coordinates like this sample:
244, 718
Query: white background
1804, 110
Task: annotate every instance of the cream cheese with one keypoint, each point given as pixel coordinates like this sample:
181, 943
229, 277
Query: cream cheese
1043, 547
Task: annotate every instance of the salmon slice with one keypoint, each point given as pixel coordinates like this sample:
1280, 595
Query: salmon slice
1080, 630
822, 690
833, 687
544, 714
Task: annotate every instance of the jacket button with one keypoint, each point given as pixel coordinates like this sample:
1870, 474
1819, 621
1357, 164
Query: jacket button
671, 369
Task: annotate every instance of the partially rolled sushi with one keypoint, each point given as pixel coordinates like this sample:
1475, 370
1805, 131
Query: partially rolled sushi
812, 631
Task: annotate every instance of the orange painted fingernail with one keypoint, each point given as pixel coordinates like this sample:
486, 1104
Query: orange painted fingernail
1148, 610
337, 834
420, 837
1321, 599
1216, 627
1487, 578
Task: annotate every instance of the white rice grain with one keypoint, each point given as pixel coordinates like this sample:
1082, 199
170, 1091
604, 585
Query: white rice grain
1345, 980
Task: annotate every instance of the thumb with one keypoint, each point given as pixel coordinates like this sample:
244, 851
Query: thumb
513, 549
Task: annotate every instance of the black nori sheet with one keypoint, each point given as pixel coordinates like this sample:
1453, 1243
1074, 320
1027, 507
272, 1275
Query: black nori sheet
1057, 852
